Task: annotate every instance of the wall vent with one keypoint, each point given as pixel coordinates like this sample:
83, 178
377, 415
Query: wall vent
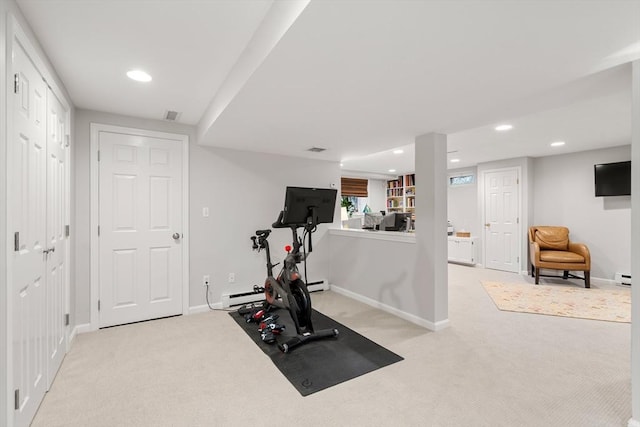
317, 149
171, 116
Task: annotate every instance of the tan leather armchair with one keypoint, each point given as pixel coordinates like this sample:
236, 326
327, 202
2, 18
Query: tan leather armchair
550, 247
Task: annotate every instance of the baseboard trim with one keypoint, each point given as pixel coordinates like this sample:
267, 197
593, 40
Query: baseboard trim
437, 326
633, 423
204, 308
79, 329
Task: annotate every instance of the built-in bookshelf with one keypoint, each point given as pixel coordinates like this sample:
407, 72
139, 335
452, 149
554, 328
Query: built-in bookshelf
395, 195
410, 192
401, 193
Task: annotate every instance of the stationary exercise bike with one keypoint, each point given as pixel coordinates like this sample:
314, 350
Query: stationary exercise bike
288, 290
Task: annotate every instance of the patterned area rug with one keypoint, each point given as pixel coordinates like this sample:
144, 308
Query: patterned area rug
598, 304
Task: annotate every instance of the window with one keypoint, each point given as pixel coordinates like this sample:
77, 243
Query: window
354, 187
461, 180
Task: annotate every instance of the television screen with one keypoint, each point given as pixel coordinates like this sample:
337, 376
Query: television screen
613, 179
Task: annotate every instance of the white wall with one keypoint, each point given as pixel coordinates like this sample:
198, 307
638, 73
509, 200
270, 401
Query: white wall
245, 192
561, 192
462, 203
379, 270
377, 190
564, 195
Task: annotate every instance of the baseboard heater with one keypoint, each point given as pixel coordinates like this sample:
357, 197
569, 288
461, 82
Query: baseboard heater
622, 278
231, 300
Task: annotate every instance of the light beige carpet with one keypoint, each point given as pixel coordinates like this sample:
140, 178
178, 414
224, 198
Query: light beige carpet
490, 368
613, 305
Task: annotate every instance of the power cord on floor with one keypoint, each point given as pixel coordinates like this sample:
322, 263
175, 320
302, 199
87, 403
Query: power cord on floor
209, 304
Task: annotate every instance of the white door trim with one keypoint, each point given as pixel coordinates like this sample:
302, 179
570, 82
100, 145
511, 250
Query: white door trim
482, 199
96, 128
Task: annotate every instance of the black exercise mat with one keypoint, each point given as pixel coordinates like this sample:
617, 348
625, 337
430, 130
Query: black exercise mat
320, 364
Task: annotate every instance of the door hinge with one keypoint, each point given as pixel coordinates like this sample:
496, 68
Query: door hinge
98, 230
16, 83
517, 259
517, 220
66, 141
66, 319
517, 180
66, 230
16, 241
16, 395
98, 305
98, 155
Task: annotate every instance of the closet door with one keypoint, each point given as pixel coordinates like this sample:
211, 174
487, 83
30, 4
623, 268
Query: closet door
27, 204
57, 240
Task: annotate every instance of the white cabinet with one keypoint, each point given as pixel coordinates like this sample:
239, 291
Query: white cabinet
463, 249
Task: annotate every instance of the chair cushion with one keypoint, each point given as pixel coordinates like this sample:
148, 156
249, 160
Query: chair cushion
561, 256
552, 238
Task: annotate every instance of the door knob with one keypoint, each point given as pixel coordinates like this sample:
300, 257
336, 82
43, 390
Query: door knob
488, 224
176, 236
46, 251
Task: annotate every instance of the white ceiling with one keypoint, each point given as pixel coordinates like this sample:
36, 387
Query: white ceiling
356, 77
188, 46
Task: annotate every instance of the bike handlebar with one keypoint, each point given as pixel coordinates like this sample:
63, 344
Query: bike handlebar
263, 233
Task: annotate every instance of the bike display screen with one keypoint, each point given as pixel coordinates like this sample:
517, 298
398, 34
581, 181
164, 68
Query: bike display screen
304, 205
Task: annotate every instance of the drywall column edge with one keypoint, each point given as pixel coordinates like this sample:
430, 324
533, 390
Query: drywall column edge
635, 245
431, 275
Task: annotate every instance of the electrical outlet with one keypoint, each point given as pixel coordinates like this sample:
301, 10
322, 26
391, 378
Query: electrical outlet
205, 280
232, 277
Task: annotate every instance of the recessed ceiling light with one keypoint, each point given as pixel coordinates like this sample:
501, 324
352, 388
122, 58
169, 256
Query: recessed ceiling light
341, 164
454, 160
139, 76
392, 170
502, 128
557, 144
398, 151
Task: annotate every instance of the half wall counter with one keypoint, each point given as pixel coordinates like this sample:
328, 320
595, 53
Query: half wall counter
376, 268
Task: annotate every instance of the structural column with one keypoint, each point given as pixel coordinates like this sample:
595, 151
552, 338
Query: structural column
431, 276
635, 246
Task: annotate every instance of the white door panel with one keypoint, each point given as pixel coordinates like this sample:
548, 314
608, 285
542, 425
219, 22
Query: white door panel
501, 212
56, 237
140, 209
27, 193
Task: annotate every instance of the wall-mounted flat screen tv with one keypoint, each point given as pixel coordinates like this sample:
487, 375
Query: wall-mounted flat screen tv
613, 179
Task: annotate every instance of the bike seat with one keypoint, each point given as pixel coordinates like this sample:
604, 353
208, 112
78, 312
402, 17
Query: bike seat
263, 233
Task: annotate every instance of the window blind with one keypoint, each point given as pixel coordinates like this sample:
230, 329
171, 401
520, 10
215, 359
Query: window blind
354, 187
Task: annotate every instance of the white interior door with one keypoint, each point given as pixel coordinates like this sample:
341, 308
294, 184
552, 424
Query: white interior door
27, 196
140, 222
501, 214
57, 240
